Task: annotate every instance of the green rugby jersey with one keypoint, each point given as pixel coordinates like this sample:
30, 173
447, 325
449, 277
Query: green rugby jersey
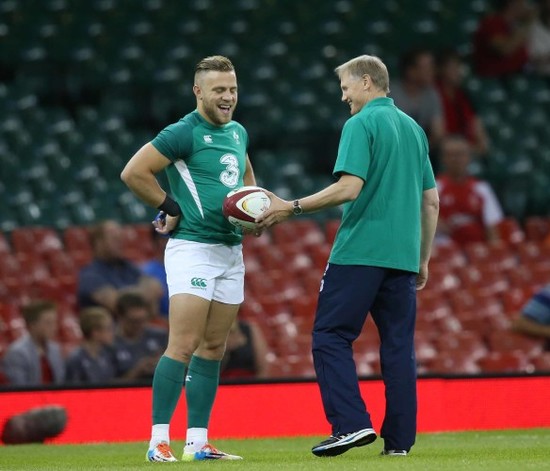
207, 163
386, 148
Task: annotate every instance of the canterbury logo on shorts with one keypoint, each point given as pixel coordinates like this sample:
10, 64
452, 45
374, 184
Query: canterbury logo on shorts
198, 282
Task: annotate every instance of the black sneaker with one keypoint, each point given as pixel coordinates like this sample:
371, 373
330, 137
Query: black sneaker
394, 453
335, 446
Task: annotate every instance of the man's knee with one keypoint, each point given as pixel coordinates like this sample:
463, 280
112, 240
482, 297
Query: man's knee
320, 341
212, 349
182, 348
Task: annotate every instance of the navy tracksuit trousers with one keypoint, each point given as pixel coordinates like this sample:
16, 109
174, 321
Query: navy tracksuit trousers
348, 293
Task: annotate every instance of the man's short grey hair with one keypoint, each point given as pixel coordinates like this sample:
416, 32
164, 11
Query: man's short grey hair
367, 65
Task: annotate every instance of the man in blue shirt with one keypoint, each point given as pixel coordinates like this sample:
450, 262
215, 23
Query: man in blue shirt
99, 282
535, 316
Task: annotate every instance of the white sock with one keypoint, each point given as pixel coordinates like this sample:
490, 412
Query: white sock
196, 438
159, 433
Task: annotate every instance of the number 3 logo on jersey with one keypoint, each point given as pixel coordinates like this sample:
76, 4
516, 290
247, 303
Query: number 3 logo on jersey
230, 176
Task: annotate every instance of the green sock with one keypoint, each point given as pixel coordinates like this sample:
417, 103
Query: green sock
201, 385
167, 385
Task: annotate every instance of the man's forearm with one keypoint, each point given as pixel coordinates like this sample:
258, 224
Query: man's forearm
145, 187
526, 326
430, 214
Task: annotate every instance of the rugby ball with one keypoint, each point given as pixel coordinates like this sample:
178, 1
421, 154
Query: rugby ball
243, 205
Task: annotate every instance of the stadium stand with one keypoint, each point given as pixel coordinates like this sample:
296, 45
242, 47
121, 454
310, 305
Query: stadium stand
73, 111
463, 315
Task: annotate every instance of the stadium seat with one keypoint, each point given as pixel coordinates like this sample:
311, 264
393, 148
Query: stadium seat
467, 342
303, 232
542, 363
537, 228
304, 306
505, 362
453, 363
311, 280
13, 321
514, 299
320, 254
506, 341
497, 254
424, 349
483, 279
442, 278
77, 239
448, 253
331, 228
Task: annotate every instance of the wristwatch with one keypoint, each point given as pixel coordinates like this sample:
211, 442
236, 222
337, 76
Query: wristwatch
297, 208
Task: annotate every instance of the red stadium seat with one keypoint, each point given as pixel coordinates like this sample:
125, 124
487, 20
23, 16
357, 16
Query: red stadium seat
498, 256
331, 228
469, 343
537, 228
448, 253
484, 279
271, 257
514, 299
452, 363
77, 239
13, 321
62, 264
424, 349
510, 231
442, 277
81, 258
138, 242
304, 306
320, 253
542, 363
520, 277
304, 232
506, 341
37, 240
505, 362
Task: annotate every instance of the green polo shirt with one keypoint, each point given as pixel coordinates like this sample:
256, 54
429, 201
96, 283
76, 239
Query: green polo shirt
389, 151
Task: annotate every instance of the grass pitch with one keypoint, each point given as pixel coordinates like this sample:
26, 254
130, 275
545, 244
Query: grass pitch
487, 451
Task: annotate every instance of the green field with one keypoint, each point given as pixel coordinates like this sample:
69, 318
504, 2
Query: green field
502, 450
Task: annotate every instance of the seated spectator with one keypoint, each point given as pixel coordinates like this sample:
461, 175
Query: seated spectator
539, 40
35, 358
416, 95
138, 345
155, 269
99, 282
94, 360
534, 319
246, 352
468, 208
500, 42
459, 116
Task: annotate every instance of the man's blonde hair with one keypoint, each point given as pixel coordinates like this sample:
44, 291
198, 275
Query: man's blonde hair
215, 63
367, 65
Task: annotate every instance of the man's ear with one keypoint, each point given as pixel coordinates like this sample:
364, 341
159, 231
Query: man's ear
366, 81
197, 91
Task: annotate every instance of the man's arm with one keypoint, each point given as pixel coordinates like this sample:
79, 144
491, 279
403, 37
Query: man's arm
139, 175
347, 188
429, 215
527, 326
16, 368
